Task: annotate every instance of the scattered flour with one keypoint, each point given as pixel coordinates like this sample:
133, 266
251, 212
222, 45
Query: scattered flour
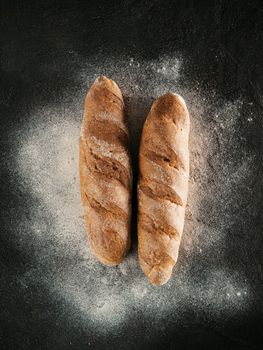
47, 159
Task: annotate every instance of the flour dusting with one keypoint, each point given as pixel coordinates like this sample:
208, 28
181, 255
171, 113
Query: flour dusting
47, 160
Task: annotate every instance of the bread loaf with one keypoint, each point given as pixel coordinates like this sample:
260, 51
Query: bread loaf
105, 172
163, 186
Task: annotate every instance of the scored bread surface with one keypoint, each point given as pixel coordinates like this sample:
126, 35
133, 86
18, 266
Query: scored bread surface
105, 172
162, 186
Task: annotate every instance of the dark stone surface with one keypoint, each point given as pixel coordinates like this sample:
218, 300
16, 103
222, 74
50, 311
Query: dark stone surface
222, 41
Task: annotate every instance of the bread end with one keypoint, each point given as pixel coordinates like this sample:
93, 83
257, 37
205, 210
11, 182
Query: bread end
109, 84
159, 276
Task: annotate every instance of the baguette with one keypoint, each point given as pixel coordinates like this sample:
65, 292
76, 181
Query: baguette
105, 172
163, 186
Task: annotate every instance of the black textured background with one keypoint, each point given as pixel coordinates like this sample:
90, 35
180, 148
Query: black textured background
223, 44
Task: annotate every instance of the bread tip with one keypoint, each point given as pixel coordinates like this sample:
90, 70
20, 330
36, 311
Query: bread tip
158, 276
104, 79
107, 260
180, 98
104, 82
100, 79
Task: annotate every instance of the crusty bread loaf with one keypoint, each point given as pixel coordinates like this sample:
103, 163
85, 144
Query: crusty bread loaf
105, 172
163, 186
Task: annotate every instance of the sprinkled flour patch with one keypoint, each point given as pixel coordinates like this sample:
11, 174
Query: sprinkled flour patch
47, 159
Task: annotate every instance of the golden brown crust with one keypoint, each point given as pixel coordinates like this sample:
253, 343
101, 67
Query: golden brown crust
162, 186
105, 172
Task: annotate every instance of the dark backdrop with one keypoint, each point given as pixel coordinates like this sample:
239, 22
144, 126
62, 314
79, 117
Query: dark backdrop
223, 44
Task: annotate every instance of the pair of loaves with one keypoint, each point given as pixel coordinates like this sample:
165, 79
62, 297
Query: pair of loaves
106, 179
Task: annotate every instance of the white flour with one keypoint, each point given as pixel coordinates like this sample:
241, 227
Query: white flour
47, 160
